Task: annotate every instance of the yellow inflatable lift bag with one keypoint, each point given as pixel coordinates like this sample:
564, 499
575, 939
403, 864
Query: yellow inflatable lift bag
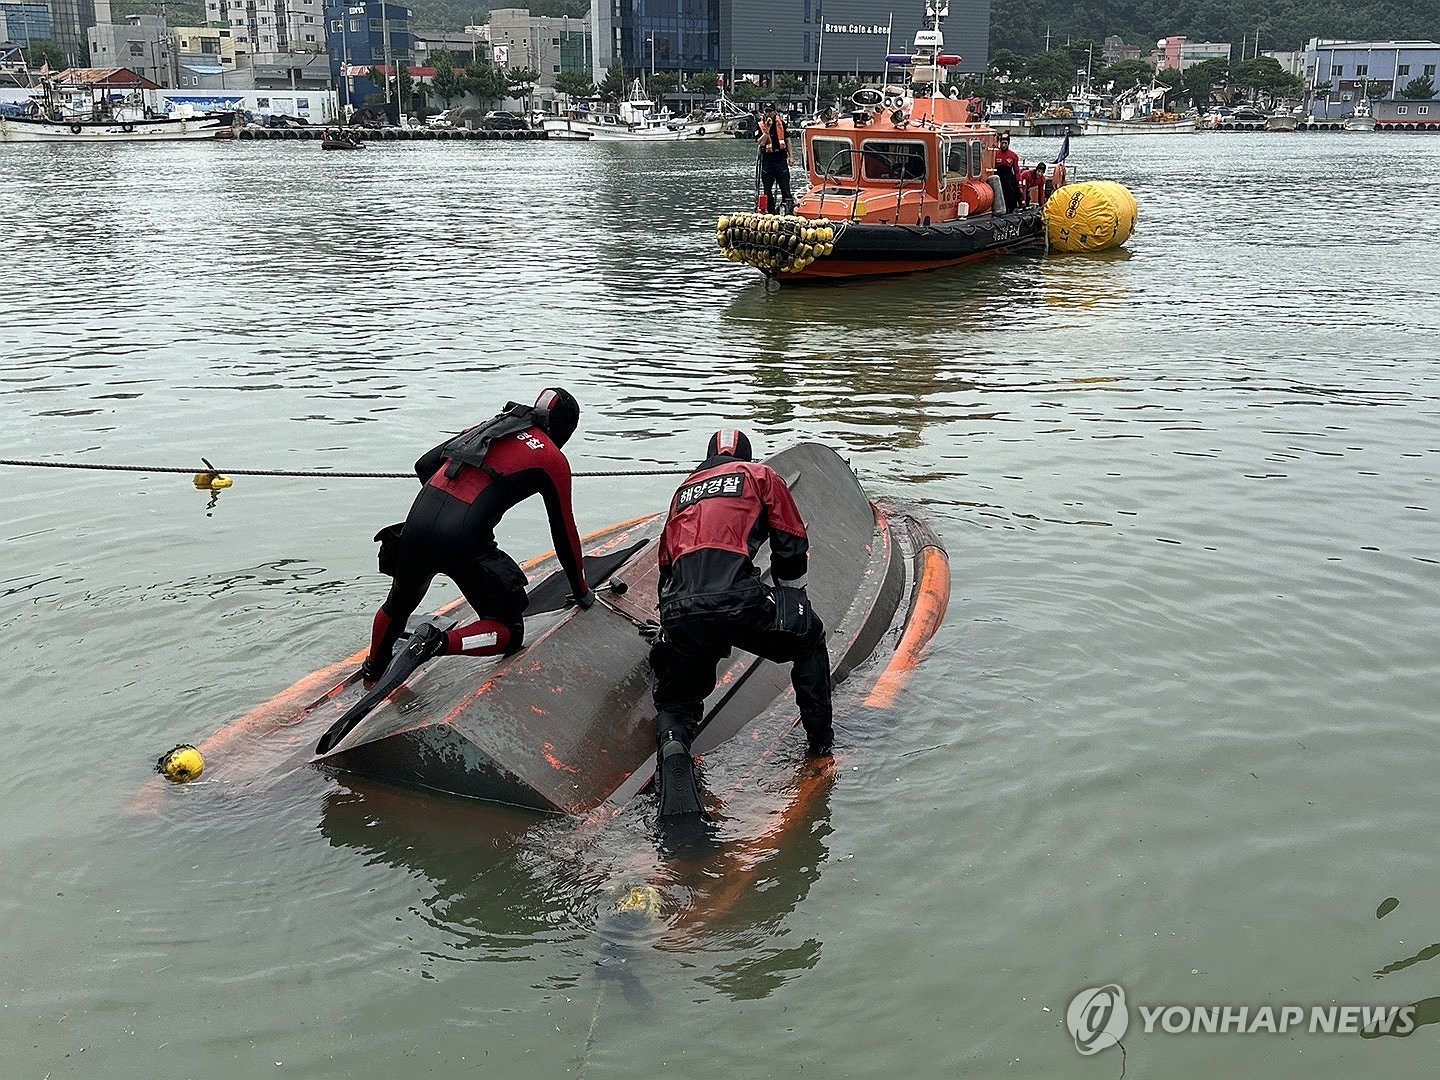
1094, 215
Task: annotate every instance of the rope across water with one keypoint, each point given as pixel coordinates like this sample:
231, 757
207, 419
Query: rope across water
209, 468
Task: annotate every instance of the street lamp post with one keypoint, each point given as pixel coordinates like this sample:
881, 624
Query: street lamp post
651, 42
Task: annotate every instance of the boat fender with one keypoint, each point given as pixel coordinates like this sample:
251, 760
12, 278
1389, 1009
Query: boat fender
75, 129
181, 765
127, 128
997, 193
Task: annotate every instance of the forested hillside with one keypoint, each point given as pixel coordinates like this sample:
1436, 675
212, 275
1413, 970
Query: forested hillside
1020, 25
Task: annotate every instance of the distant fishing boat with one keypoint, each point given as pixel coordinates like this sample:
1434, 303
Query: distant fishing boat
1138, 111
1361, 118
100, 105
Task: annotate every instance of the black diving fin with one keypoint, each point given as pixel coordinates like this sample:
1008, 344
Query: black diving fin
427, 640
675, 773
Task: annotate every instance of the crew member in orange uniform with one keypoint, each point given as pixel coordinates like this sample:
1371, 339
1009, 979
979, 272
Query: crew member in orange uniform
775, 161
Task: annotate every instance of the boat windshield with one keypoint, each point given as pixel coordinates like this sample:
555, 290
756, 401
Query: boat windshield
886, 159
832, 158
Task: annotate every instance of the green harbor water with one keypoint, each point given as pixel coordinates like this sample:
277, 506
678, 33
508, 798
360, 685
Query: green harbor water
1174, 733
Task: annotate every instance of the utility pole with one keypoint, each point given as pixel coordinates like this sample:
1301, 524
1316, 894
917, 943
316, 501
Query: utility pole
819, 51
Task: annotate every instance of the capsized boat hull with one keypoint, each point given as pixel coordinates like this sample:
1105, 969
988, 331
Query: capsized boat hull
567, 724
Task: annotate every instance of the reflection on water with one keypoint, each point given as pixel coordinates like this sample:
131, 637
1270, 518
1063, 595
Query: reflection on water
501, 878
1188, 492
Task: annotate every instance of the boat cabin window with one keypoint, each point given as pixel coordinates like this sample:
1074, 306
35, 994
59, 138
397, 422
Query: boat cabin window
976, 150
833, 158
957, 158
893, 159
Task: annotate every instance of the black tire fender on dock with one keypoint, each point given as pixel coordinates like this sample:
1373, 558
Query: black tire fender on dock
76, 129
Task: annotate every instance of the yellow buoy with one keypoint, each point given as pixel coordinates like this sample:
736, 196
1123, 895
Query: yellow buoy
181, 764
1094, 215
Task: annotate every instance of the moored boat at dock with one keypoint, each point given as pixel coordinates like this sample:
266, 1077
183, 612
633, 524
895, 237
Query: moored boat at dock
86, 105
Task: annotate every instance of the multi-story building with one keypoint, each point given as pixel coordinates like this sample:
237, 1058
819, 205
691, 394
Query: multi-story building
540, 43
204, 56
466, 46
1339, 72
141, 43
1116, 50
70, 24
361, 36
268, 31
1180, 53
759, 37
22, 24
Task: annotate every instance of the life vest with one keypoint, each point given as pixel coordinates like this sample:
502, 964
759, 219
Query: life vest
774, 136
470, 447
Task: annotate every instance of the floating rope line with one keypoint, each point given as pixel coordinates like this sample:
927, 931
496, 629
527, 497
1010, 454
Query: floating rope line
294, 472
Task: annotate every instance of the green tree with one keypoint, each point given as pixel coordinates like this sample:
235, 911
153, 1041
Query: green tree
662, 83
1421, 89
1052, 73
746, 92
561, 9
575, 84
46, 52
446, 82
520, 83
1199, 82
703, 82
1005, 64
485, 81
788, 85
1123, 74
1264, 75
612, 87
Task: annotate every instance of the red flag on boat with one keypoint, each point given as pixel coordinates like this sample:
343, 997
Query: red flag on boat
45, 68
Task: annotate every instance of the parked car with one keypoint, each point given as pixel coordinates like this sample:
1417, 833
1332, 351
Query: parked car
504, 121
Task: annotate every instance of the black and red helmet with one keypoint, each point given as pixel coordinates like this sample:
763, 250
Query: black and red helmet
558, 413
732, 442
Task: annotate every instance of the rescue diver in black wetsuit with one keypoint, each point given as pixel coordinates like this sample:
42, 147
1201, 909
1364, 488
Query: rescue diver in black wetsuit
712, 598
470, 482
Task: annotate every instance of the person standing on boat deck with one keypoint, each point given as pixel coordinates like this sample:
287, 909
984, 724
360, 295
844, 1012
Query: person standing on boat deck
1007, 168
775, 160
712, 599
470, 482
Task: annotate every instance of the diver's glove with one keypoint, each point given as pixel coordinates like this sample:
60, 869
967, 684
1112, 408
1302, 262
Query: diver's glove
652, 632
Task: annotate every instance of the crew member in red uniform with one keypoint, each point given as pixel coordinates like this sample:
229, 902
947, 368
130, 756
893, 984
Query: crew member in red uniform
1034, 185
1007, 168
470, 482
712, 599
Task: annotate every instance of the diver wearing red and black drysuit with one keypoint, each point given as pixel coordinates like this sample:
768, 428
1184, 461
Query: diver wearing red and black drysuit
450, 530
712, 598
